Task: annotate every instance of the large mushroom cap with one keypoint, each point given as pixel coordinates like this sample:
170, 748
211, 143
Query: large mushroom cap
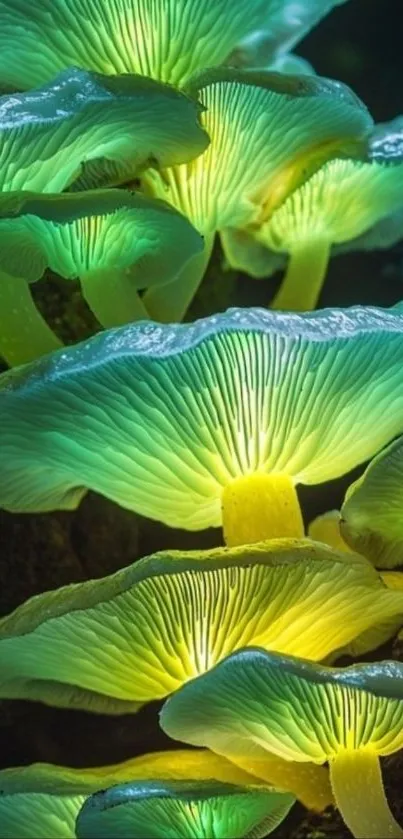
372, 512
81, 645
162, 418
256, 701
165, 39
156, 810
268, 132
92, 130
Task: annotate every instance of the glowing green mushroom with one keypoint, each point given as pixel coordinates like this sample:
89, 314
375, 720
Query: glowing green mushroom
44, 800
97, 645
256, 701
372, 512
154, 810
205, 424
343, 197
167, 40
94, 130
268, 133
338, 203
115, 241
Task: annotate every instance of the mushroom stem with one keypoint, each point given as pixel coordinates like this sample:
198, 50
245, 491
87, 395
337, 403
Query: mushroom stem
24, 333
258, 507
358, 789
303, 281
308, 782
113, 297
169, 303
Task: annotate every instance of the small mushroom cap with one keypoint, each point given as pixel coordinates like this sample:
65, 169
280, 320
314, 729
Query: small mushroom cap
94, 130
372, 512
44, 800
168, 41
156, 810
100, 230
79, 646
268, 132
256, 701
340, 202
183, 410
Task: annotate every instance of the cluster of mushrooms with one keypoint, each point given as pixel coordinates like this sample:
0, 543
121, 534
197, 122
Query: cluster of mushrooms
133, 133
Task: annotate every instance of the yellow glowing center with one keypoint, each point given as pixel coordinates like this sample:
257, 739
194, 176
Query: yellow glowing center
258, 507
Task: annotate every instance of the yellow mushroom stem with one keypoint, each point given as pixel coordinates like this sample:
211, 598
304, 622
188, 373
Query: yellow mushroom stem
307, 781
301, 287
113, 297
358, 790
24, 333
258, 507
169, 303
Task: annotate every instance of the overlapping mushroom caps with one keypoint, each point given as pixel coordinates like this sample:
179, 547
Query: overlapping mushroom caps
204, 424
85, 129
372, 512
256, 701
156, 810
338, 203
346, 205
268, 133
44, 800
97, 645
115, 241
168, 39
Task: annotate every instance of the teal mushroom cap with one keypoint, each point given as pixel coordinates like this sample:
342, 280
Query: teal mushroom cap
158, 810
83, 129
161, 419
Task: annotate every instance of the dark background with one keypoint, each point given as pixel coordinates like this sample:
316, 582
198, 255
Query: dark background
361, 43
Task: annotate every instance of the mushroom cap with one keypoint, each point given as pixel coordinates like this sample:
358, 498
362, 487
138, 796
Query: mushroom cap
385, 146
94, 130
79, 646
340, 202
100, 230
290, 20
157, 810
167, 40
161, 419
256, 701
372, 512
268, 132
44, 800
